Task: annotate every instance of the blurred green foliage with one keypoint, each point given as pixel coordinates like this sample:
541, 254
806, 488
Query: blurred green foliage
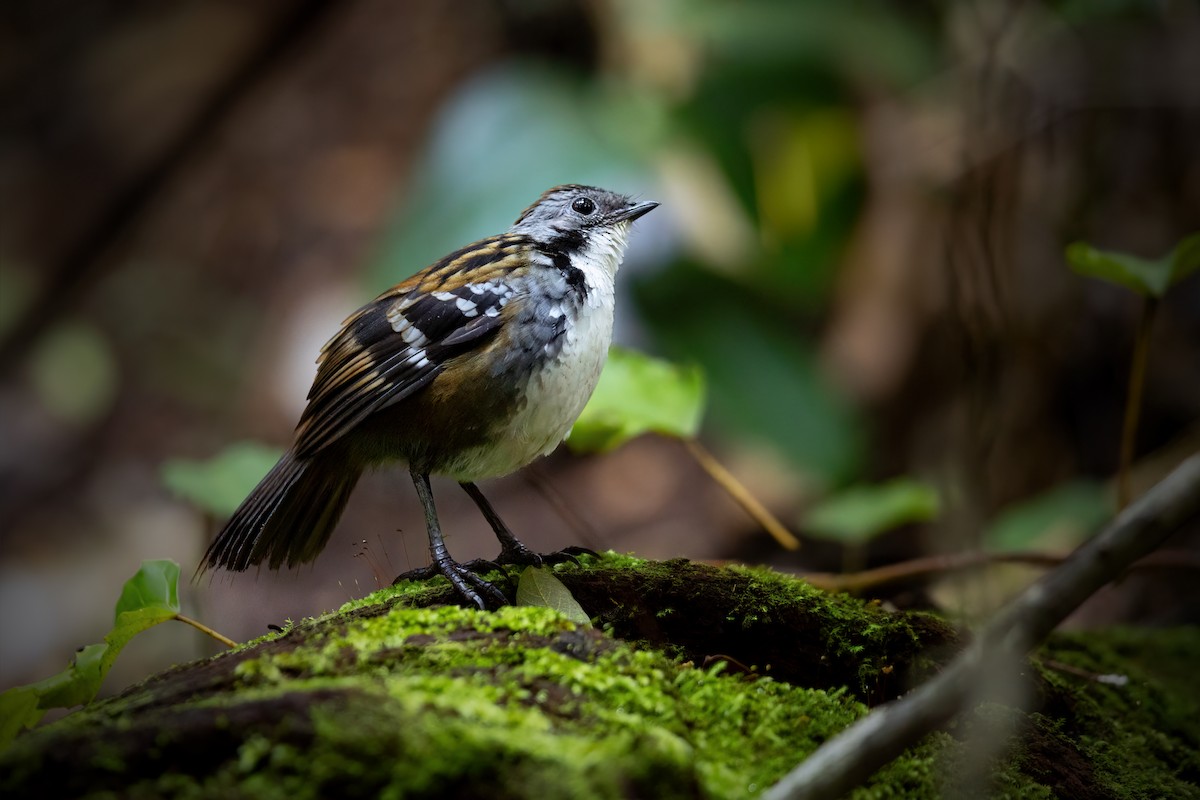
1063, 516
218, 485
74, 372
860, 513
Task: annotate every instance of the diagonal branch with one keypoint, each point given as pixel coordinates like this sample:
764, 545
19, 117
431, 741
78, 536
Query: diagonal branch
850, 758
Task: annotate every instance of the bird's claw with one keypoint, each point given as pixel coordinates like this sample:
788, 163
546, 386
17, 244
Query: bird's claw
465, 580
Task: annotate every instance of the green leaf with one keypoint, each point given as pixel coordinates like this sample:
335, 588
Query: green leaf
638, 394
539, 587
151, 596
156, 585
1147, 278
218, 485
860, 513
78, 683
18, 710
1064, 516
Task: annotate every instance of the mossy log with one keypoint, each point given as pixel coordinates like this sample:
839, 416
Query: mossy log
696, 681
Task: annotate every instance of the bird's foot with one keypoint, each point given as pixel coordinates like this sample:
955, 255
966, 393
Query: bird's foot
466, 576
523, 556
465, 579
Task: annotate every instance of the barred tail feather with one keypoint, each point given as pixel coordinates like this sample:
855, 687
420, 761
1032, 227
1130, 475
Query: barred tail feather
287, 518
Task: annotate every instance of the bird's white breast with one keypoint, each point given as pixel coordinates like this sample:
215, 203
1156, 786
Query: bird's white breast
559, 387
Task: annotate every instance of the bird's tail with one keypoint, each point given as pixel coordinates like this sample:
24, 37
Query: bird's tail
288, 517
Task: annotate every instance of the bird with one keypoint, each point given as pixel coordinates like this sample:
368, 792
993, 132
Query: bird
471, 368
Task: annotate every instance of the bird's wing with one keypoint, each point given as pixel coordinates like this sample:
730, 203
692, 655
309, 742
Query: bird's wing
396, 345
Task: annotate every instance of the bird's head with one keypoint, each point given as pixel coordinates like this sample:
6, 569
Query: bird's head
572, 218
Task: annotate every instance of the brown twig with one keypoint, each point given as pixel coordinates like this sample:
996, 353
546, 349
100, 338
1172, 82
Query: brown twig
936, 566
741, 495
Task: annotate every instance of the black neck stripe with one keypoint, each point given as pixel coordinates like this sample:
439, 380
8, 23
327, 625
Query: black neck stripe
573, 274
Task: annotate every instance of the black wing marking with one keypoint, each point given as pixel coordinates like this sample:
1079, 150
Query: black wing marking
391, 349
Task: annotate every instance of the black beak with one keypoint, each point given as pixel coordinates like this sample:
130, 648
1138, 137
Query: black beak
633, 212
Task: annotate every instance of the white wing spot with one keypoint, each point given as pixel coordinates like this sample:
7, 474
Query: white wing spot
411, 334
467, 307
445, 297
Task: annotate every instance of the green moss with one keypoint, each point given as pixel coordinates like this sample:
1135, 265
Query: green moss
426, 701
1143, 737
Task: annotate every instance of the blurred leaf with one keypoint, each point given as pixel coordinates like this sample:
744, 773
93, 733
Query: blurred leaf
1064, 516
219, 484
808, 180
763, 376
1147, 278
539, 587
638, 394
473, 183
860, 513
74, 372
800, 160
151, 596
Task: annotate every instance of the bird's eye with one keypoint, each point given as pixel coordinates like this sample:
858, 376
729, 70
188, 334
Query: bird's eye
583, 205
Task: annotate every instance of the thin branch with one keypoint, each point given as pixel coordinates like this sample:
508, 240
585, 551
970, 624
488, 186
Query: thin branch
70, 274
848, 759
741, 495
936, 566
200, 626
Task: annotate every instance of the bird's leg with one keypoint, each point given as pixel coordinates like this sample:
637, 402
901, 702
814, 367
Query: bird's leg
511, 549
468, 584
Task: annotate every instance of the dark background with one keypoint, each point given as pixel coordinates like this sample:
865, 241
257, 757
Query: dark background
865, 207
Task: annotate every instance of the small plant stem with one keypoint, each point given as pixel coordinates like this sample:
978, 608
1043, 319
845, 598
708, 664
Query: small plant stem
741, 495
200, 626
1133, 401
